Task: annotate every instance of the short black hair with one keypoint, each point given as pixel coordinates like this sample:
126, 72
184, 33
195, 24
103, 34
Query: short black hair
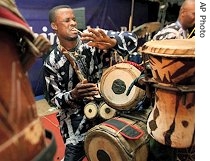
53, 10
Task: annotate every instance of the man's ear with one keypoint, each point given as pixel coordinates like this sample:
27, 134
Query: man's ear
54, 26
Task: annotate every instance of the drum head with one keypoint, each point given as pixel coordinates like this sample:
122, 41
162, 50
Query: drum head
115, 83
91, 110
106, 112
171, 48
102, 146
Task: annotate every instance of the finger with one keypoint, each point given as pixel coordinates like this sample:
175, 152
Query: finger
93, 44
84, 81
89, 94
102, 33
87, 38
87, 86
96, 33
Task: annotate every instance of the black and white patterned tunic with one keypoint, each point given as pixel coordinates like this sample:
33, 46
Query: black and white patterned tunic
172, 31
60, 79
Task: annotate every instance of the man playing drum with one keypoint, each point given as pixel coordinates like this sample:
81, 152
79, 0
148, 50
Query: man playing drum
72, 70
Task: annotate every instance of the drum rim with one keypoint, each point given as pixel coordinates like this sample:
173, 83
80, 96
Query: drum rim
169, 55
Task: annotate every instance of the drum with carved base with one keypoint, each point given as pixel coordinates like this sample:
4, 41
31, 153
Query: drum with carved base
115, 84
172, 62
117, 139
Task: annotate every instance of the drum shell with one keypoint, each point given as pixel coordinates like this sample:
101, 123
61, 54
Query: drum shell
105, 111
172, 61
126, 74
172, 120
172, 70
105, 140
22, 134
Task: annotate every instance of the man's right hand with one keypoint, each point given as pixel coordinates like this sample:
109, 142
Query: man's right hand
85, 90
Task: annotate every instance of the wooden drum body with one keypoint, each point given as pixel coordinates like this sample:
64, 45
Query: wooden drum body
22, 134
115, 83
172, 120
107, 141
171, 61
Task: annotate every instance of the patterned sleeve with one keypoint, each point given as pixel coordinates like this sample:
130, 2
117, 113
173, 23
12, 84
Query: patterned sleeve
168, 32
126, 42
55, 92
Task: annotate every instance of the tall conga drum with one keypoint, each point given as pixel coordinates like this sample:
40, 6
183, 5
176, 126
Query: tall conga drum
115, 84
22, 135
172, 120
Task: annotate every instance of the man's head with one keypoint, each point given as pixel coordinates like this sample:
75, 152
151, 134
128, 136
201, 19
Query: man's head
187, 14
63, 22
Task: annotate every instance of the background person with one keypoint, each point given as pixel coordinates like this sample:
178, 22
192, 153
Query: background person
180, 28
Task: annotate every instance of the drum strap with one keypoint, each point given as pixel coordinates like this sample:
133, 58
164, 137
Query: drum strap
129, 131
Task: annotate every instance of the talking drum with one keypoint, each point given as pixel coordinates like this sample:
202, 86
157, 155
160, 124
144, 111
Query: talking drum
117, 139
171, 61
106, 112
115, 83
22, 135
91, 110
172, 120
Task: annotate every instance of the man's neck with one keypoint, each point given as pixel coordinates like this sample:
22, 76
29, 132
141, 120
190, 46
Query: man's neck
70, 45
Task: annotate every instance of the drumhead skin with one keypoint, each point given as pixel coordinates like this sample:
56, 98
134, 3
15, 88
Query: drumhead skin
106, 112
171, 61
91, 110
115, 83
171, 48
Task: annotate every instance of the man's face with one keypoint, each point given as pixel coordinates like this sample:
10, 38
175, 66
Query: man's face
189, 16
65, 24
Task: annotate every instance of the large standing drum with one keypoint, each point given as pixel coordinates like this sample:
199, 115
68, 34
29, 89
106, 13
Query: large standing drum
117, 139
171, 61
172, 120
115, 83
22, 137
